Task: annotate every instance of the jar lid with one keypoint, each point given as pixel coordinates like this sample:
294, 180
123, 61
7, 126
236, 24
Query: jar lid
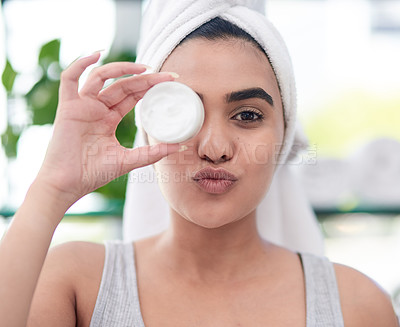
171, 112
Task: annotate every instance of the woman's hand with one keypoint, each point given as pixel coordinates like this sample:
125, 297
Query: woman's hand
84, 153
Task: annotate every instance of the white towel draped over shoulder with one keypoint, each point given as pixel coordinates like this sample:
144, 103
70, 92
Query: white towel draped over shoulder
284, 216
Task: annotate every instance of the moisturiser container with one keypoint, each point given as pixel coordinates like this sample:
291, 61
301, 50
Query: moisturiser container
171, 112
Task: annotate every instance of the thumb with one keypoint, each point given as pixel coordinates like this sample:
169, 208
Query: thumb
147, 155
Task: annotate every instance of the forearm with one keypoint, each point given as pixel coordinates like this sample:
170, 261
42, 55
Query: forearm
23, 250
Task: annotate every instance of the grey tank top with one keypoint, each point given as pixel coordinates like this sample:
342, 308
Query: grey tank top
118, 299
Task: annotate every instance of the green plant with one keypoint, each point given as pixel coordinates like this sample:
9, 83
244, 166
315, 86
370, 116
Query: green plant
11, 135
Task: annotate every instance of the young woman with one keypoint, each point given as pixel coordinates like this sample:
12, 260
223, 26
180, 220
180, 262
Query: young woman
210, 267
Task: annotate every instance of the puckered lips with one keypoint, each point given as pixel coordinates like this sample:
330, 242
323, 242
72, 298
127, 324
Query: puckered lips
214, 180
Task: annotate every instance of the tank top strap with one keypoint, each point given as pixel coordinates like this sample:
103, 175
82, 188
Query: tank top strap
118, 298
322, 294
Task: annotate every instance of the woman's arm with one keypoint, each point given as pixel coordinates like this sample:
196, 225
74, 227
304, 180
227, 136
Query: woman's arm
68, 285
83, 155
23, 250
363, 302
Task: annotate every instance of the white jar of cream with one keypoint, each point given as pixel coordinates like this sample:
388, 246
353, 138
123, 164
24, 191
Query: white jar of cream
171, 112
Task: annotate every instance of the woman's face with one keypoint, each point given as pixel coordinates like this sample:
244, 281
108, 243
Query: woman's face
229, 164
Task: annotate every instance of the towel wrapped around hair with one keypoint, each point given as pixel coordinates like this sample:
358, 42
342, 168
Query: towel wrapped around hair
284, 216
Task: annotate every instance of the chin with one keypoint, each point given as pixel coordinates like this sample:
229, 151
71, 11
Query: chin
210, 211
213, 219
210, 223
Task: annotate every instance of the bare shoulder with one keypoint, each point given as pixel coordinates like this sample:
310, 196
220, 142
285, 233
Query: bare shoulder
68, 284
82, 257
364, 303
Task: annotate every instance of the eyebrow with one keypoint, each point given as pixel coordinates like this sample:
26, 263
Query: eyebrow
255, 92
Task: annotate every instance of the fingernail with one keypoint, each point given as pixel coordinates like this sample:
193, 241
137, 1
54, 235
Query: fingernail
90, 55
174, 75
101, 50
183, 148
149, 69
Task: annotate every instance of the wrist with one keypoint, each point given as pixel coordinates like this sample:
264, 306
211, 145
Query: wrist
47, 201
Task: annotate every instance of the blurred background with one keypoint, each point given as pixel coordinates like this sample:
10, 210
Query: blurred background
346, 59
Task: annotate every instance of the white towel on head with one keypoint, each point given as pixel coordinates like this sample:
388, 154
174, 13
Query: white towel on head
284, 216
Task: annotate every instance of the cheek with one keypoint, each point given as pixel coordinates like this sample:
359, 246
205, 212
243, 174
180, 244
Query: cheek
260, 156
262, 149
259, 161
172, 172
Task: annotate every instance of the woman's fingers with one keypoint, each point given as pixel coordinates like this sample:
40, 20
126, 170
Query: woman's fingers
100, 75
70, 76
127, 104
147, 155
132, 86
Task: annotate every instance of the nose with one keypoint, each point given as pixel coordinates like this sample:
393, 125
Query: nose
215, 144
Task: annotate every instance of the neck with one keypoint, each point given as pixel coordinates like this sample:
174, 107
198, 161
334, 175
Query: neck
229, 252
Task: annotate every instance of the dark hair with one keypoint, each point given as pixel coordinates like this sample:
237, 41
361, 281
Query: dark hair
220, 29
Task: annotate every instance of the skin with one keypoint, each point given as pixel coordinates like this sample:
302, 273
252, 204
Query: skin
210, 268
